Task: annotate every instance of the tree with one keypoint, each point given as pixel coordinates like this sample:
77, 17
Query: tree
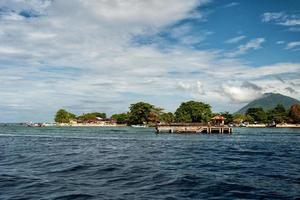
94, 115
238, 118
228, 117
167, 117
121, 118
193, 111
62, 116
294, 113
140, 112
258, 114
278, 114
279, 109
101, 115
249, 119
155, 114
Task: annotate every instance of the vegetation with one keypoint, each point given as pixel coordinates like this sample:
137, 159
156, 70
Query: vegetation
258, 115
143, 113
62, 116
193, 111
189, 112
294, 113
167, 117
94, 115
278, 114
121, 118
228, 117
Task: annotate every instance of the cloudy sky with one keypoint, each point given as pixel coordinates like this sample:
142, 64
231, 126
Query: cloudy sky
102, 55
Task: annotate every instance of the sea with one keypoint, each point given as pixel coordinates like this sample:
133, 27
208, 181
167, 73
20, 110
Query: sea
136, 163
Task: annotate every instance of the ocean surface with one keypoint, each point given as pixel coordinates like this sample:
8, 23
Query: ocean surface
135, 163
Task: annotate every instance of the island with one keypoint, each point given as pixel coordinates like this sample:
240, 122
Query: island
189, 115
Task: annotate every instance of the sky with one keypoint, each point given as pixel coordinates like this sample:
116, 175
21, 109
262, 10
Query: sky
103, 55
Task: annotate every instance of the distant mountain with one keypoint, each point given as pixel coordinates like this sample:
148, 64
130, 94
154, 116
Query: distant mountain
269, 101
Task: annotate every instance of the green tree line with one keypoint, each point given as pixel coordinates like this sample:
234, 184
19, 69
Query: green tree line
187, 112
278, 115
63, 116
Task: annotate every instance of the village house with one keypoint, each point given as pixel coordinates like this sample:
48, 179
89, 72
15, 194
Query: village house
95, 121
218, 120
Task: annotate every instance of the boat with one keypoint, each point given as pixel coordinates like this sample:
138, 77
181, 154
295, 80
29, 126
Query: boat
271, 125
31, 124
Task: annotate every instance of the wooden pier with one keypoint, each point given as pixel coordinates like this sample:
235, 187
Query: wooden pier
193, 128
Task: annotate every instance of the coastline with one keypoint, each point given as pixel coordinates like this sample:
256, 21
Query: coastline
125, 125
90, 125
288, 126
277, 126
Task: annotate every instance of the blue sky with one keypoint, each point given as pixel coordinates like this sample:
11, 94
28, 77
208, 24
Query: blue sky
104, 55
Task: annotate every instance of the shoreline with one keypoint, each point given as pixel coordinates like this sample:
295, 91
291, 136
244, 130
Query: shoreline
276, 126
124, 125
89, 125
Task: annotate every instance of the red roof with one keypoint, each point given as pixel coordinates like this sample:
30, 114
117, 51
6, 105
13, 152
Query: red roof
218, 117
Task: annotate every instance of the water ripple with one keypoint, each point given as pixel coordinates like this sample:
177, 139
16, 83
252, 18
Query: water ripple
126, 163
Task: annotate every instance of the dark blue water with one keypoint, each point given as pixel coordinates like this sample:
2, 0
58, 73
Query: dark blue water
128, 163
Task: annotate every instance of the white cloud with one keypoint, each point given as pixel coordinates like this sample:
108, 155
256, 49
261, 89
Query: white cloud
81, 50
80, 55
4, 50
193, 87
19, 5
232, 4
12, 16
281, 18
40, 35
247, 91
186, 35
280, 42
200, 88
235, 39
131, 13
272, 16
290, 22
253, 44
270, 70
241, 94
184, 86
292, 45
294, 29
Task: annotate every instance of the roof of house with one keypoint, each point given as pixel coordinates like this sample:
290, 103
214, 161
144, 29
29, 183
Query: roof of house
218, 117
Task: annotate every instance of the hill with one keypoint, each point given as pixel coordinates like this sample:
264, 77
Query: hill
269, 101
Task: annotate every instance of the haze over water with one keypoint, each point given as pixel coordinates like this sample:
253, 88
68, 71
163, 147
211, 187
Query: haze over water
128, 163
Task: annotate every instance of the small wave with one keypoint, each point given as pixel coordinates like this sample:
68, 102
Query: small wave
35, 185
254, 152
72, 169
109, 168
74, 196
7, 180
224, 188
185, 181
297, 180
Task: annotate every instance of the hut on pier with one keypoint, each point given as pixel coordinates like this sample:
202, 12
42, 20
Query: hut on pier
218, 120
